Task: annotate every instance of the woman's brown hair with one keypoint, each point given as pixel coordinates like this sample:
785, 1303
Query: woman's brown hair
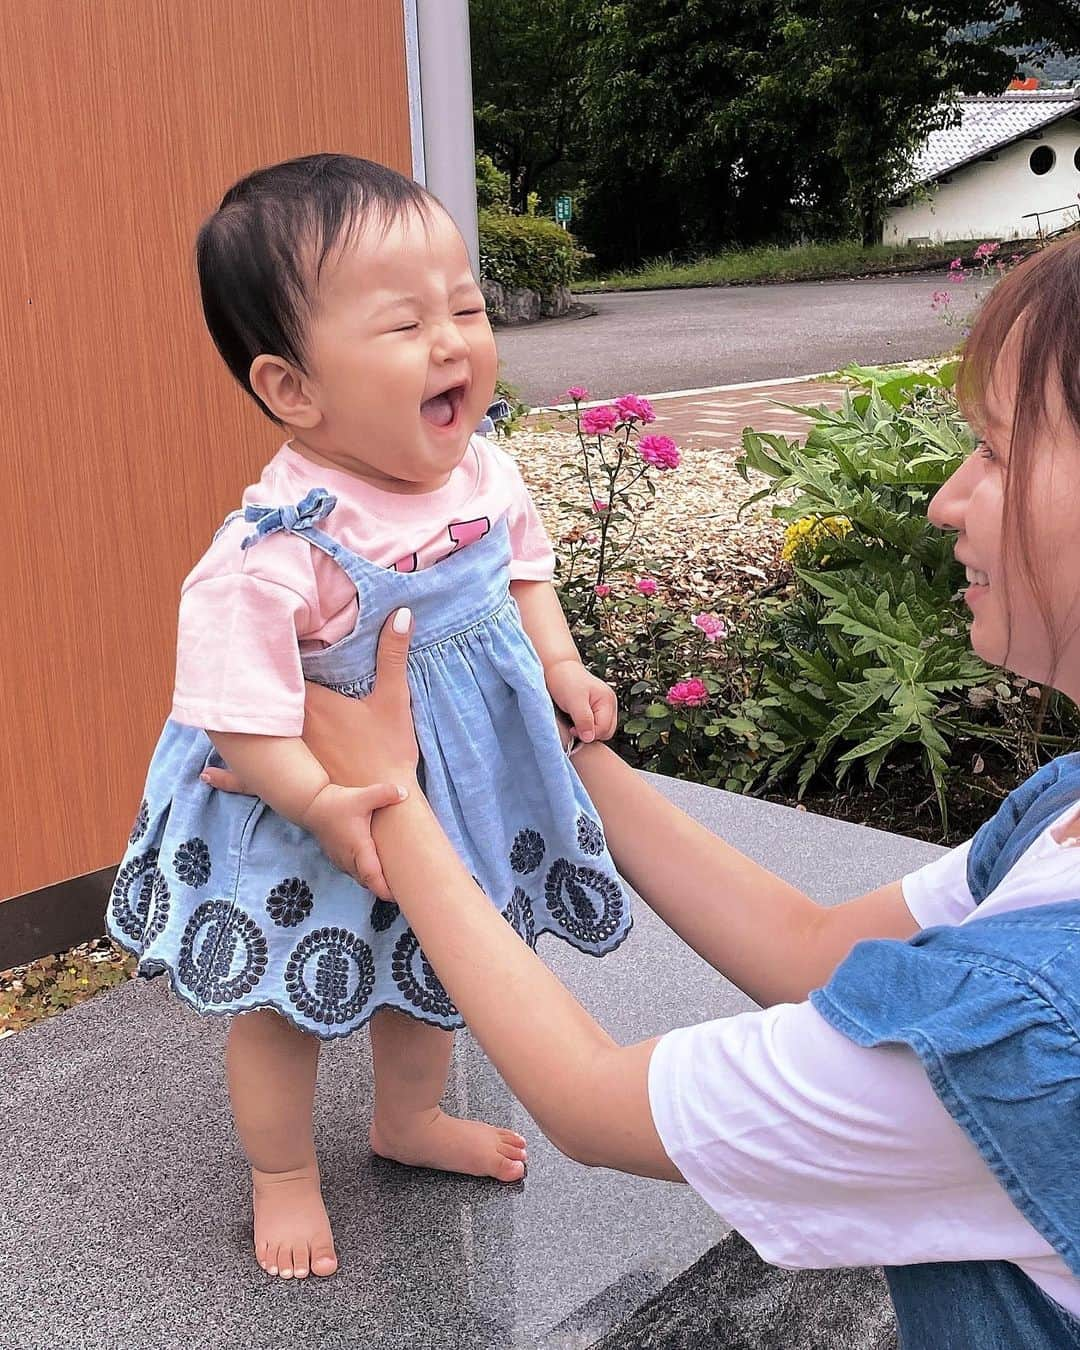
1044, 292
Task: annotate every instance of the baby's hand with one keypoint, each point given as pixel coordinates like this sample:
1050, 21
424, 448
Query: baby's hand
340, 819
588, 702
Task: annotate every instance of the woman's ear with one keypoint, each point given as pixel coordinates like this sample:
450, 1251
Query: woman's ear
285, 391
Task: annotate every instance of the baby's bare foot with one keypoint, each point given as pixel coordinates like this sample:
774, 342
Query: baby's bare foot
292, 1230
433, 1139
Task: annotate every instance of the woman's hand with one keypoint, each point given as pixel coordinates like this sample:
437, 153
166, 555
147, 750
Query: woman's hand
368, 740
359, 741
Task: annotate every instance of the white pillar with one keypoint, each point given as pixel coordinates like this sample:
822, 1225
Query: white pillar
440, 101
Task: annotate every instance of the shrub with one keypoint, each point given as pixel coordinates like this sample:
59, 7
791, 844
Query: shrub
492, 186
857, 657
526, 251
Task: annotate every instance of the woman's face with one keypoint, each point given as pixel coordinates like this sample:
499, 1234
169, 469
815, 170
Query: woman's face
1009, 626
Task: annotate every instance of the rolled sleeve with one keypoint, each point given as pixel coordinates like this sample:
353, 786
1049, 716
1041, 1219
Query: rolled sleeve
238, 656
823, 1153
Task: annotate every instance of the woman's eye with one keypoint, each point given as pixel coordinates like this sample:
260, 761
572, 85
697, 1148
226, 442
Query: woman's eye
462, 312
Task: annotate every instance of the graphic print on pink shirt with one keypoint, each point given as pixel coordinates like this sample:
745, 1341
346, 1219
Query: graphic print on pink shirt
461, 532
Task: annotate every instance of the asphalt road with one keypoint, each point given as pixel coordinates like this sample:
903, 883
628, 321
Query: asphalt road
652, 342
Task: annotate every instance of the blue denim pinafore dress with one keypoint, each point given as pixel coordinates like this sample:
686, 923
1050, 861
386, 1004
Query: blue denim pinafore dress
240, 907
992, 1009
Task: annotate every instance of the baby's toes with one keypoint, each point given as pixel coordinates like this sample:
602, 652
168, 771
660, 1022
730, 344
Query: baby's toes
323, 1259
508, 1169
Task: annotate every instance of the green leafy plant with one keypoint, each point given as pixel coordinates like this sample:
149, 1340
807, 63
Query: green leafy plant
526, 252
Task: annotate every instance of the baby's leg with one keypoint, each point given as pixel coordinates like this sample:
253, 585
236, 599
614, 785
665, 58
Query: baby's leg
411, 1063
272, 1067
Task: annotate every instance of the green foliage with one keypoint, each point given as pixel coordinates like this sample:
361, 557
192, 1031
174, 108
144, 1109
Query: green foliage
492, 186
731, 124
525, 60
868, 655
770, 262
857, 659
526, 251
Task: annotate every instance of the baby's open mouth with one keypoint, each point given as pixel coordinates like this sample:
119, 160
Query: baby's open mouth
442, 409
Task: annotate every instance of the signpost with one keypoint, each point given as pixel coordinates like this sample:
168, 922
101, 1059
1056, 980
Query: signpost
563, 209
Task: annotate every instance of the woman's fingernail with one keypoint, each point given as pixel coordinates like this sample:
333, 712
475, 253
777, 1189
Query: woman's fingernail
402, 619
204, 777
401, 794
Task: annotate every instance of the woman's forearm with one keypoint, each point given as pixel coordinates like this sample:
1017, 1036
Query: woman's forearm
588, 1094
766, 936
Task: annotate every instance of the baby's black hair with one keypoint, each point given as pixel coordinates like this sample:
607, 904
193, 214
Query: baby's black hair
260, 254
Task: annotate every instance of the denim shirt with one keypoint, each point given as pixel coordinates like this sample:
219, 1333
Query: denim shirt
992, 1009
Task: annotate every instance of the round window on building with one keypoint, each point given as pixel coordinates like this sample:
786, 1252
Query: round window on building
1042, 159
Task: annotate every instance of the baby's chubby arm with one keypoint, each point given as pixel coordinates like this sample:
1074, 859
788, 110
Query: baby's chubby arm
586, 700
287, 776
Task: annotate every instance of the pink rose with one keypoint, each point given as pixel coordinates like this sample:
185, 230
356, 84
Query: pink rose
633, 405
986, 250
597, 421
710, 624
646, 586
600, 506
592, 538
577, 393
602, 591
659, 451
688, 694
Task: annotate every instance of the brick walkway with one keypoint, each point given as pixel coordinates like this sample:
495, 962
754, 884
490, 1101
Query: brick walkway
716, 419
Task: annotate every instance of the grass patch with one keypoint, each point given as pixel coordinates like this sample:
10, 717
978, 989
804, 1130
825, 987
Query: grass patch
807, 262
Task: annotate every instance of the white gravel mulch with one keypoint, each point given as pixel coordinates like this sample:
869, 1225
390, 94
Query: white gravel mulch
693, 540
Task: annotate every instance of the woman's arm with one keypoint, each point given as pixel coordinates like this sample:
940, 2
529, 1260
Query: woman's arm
763, 934
588, 1094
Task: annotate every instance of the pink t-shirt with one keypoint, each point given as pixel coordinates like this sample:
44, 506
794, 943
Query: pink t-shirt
247, 614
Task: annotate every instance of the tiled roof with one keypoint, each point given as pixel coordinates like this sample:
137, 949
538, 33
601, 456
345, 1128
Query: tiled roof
989, 122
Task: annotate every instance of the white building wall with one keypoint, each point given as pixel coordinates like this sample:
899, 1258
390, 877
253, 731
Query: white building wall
989, 199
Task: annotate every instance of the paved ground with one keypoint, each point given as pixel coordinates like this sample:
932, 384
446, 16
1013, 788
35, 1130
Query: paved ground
650, 342
715, 419
123, 1220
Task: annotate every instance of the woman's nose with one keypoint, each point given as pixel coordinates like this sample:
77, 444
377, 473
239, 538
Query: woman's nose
948, 505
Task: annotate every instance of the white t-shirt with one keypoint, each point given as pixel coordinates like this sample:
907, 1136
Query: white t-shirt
824, 1153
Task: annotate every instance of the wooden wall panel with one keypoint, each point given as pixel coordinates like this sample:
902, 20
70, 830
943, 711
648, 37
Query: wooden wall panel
125, 441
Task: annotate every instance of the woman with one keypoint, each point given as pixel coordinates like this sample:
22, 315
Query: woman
915, 1102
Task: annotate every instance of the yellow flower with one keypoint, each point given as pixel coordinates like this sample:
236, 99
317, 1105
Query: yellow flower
803, 537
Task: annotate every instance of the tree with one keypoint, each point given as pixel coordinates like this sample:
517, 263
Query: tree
524, 70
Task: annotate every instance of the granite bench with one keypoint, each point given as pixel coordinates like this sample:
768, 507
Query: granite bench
123, 1210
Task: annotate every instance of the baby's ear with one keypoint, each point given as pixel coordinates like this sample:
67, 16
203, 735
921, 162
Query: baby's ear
284, 390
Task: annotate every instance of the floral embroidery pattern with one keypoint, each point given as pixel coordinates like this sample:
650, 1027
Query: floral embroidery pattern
519, 915
527, 852
383, 914
330, 976
142, 820
590, 836
222, 953
133, 893
192, 863
290, 902
423, 992
587, 903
